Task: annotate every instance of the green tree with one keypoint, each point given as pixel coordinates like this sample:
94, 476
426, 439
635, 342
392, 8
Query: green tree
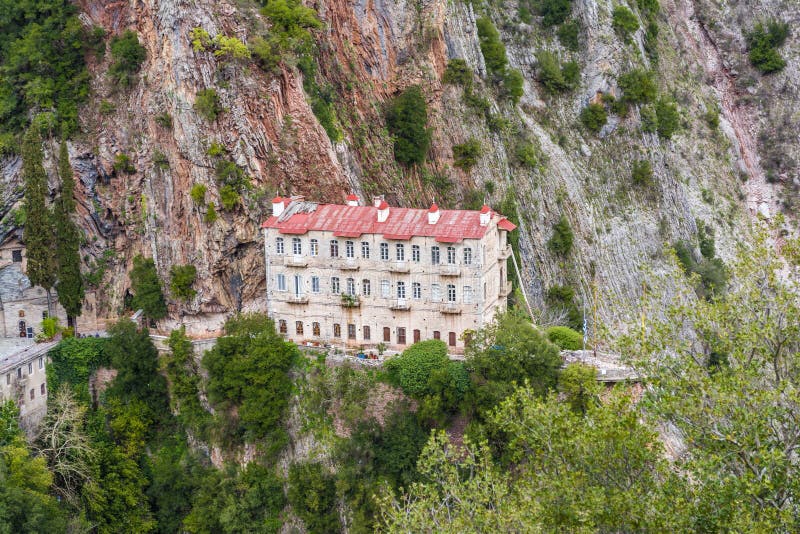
668, 118
624, 22
38, 233
69, 287
762, 44
146, 286
206, 103
407, 119
579, 383
466, 154
565, 337
492, 48
181, 279
594, 117
561, 240
198, 194
638, 87
127, 58
312, 494
642, 173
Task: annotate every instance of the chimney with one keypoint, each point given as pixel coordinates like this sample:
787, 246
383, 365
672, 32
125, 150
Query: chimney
433, 214
486, 215
376, 201
352, 200
277, 206
383, 211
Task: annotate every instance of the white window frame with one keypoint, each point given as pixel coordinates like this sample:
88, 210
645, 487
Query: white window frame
416, 290
350, 286
451, 255
333, 248
366, 288
280, 282
436, 292
365, 250
297, 246
401, 290
315, 284
279, 246
335, 285
415, 255
451, 293
467, 256
468, 295
314, 247
386, 289
384, 251
436, 255
349, 249
400, 252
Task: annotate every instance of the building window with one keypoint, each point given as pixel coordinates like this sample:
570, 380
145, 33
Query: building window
451, 339
42, 389
436, 292
415, 253
279, 245
400, 252
451, 293
484, 291
282, 328
349, 249
437, 334
351, 287
351, 331
16, 256
385, 251
416, 290
337, 330
334, 248
435, 255
335, 289
41, 363
298, 285
298, 327
387, 334
451, 255
366, 290
44, 314
297, 246
315, 329
467, 256
19, 372
33, 393
281, 282
467, 295
417, 336
315, 284
385, 289
30, 368
314, 246
365, 250
8, 378
401, 336
366, 333
401, 290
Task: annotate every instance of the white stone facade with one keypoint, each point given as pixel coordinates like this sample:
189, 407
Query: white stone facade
362, 291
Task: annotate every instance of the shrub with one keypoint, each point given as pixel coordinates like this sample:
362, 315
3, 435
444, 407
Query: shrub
554, 12
229, 197
200, 38
211, 214
579, 383
562, 238
555, 77
762, 43
107, 108
526, 154
562, 298
181, 279
492, 48
412, 369
230, 48
624, 22
215, 149
198, 194
565, 337
642, 173
146, 287
50, 327
594, 117
651, 41
568, 35
312, 494
513, 83
267, 53
458, 73
123, 164
164, 120
206, 103
407, 119
160, 160
638, 87
127, 58
712, 118
668, 118
466, 154
649, 119
231, 174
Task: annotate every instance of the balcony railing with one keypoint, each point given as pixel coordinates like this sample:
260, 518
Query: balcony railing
451, 308
505, 288
295, 261
504, 254
297, 299
450, 269
399, 267
400, 304
350, 301
349, 264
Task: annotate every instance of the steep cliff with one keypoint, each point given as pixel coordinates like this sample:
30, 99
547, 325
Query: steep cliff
366, 52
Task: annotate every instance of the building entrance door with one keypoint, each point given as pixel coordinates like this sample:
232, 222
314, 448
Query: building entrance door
23, 332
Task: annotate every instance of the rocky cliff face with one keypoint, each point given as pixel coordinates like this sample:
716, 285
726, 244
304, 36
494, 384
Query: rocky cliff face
370, 49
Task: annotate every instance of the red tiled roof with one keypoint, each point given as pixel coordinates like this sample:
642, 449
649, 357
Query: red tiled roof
402, 223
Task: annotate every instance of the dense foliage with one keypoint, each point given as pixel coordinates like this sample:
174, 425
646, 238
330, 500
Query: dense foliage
561, 240
69, 286
763, 42
565, 337
407, 119
146, 286
494, 54
466, 155
594, 117
555, 76
181, 278
127, 56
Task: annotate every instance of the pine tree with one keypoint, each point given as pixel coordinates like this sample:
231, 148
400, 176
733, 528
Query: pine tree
70, 284
147, 292
38, 234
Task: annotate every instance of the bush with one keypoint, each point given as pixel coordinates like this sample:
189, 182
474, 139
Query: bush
649, 119
146, 286
458, 73
127, 58
407, 119
565, 337
762, 43
231, 174
211, 214
554, 12
594, 117
562, 238
181, 279
668, 118
206, 103
229, 197
638, 87
215, 149
50, 327
198, 194
624, 22
555, 77
312, 494
492, 48
466, 154
123, 164
568, 35
642, 173
562, 298
513, 83
160, 160
526, 154
412, 369
107, 108
164, 120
